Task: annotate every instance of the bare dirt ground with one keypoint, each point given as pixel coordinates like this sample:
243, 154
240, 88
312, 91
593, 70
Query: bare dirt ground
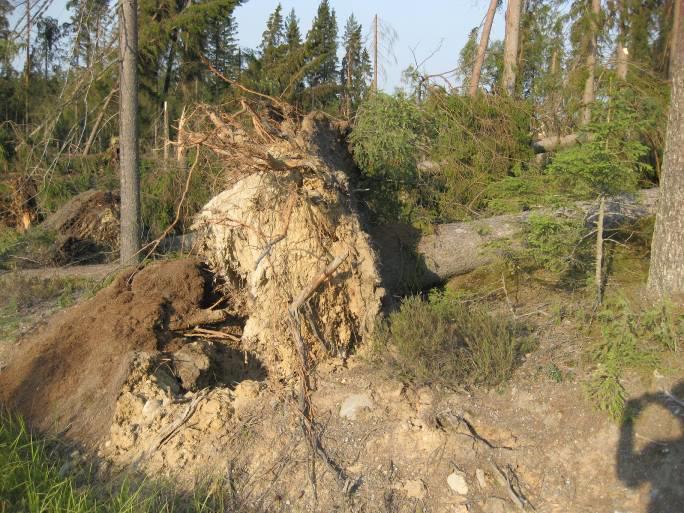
191, 408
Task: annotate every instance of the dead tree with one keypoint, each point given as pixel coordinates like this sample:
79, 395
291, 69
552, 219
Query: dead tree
482, 48
411, 260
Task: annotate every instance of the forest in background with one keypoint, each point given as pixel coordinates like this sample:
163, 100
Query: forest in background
571, 106
436, 152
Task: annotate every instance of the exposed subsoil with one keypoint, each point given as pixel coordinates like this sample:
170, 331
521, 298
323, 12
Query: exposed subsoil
193, 408
68, 376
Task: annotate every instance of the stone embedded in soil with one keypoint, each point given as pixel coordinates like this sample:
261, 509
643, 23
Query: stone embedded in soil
495, 505
193, 363
354, 404
151, 409
415, 489
480, 476
457, 483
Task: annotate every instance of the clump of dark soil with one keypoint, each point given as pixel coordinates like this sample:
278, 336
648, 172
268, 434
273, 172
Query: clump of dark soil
86, 227
67, 377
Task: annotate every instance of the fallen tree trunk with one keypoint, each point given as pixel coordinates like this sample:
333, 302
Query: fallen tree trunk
411, 261
554, 143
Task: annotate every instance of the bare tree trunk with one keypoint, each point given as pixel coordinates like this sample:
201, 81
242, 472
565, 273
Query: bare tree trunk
511, 41
375, 54
622, 61
589, 94
128, 119
98, 121
411, 260
28, 62
599, 250
482, 48
621, 53
666, 274
167, 137
674, 38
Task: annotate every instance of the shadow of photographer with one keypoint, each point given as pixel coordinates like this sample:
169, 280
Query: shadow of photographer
659, 463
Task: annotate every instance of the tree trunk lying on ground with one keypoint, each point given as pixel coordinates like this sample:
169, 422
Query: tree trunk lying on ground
410, 260
554, 143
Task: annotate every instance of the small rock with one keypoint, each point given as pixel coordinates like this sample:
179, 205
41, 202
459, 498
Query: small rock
354, 404
495, 505
481, 480
457, 483
193, 363
415, 489
151, 409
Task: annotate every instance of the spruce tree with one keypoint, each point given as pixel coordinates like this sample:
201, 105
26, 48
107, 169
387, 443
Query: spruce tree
356, 67
293, 36
47, 40
7, 48
222, 48
273, 37
321, 44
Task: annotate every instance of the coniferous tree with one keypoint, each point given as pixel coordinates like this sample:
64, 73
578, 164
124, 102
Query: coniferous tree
48, 36
356, 67
272, 51
7, 48
89, 23
222, 48
294, 61
666, 273
321, 44
293, 36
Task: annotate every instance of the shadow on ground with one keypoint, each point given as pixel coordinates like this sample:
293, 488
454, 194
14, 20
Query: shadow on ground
658, 463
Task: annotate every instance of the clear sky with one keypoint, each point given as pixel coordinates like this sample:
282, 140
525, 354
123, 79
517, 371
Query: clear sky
421, 27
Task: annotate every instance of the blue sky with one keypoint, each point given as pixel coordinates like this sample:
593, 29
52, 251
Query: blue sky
422, 27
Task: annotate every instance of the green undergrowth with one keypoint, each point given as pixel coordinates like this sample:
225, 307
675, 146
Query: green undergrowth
161, 186
22, 295
442, 339
632, 339
36, 478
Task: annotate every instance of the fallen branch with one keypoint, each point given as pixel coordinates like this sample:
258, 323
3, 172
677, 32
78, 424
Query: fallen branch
199, 318
316, 282
207, 333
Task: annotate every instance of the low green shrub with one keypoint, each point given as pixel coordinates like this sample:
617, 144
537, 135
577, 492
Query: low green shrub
443, 340
630, 340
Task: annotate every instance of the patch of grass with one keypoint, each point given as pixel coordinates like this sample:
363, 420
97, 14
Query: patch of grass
30, 249
443, 340
631, 340
33, 480
21, 294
